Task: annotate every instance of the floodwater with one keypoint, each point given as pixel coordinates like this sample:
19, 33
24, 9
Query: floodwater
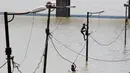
106, 45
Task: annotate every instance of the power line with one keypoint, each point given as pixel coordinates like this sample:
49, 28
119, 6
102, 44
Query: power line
65, 45
30, 35
38, 65
57, 26
58, 51
3, 65
15, 65
98, 24
79, 54
91, 57
108, 43
109, 60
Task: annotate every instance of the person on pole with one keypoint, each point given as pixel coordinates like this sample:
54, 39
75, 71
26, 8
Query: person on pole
83, 31
73, 67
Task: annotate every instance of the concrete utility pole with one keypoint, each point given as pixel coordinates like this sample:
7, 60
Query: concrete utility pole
87, 37
8, 49
127, 6
63, 12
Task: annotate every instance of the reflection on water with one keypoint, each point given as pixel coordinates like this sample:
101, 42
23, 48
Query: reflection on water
105, 45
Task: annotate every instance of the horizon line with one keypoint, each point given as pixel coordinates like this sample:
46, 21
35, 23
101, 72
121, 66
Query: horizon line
76, 15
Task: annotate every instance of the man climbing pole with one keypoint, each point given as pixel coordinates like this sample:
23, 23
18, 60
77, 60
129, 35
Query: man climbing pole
84, 31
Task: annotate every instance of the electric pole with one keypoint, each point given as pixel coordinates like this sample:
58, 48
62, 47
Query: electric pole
126, 23
8, 49
87, 35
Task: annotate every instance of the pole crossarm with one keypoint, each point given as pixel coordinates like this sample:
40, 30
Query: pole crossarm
126, 5
13, 13
96, 12
63, 6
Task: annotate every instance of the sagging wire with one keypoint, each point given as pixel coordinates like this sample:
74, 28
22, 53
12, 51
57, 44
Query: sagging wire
38, 64
71, 49
27, 47
3, 65
98, 24
15, 65
58, 24
65, 45
90, 57
79, 53
58, 51
109, 60
107, 43
62, 56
